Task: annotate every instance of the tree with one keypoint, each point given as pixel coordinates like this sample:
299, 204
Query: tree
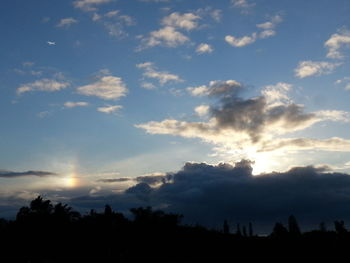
340, 227
251, 232
226, 227
279, 231
293, 226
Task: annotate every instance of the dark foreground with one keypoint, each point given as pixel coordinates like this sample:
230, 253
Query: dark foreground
44, 232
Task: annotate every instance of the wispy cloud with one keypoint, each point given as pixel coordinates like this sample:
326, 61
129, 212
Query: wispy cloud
106, 87
89, 5
163, 77
337, 42
244, 5
11, 174
114, 22
268, 30
48, 85
167, 36
311, 68
344, 81
71, 104
110, 109
186, 21
67, 22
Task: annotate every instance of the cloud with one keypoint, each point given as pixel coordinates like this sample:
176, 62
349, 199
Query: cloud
170, 34
254, 124
277, 93
106, 87
43, 114
242, 41
202, 110
155, 1
148, 85
186, 21
231, 192
242, 4
11, 174
71, 104
345, 81
110, 109
163, 77
204, 48
167, 36
115, 180
336, 42
114, 22
89, 5
268, 31
311, 68
216, 88
334, 144
48, 85
67, 22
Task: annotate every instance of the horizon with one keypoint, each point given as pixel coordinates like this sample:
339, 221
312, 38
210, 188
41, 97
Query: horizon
177, 104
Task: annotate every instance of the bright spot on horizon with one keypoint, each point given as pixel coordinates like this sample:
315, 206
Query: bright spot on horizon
71, 181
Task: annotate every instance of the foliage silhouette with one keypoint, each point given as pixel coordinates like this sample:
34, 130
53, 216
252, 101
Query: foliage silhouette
47, 232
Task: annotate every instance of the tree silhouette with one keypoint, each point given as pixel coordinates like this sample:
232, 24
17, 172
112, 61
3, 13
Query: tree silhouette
226, 227
293, 226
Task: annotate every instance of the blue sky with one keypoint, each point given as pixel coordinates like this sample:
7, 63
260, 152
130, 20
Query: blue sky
114, 88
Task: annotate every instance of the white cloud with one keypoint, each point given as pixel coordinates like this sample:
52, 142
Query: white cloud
71, 104
43, 114
335, 115
215, 88
107, 88
167, 36
310, 68
163, 77
110, 109
252, 125
114, 22
277, 93
148, 85
198, 91
155, 1
204, 48
345, 81
49, 85
267, 33
202, 110
241, 41
242, 4
336, 42
67, 22
187, 21
89, 5
270, 24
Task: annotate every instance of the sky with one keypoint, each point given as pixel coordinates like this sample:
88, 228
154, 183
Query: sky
96, 94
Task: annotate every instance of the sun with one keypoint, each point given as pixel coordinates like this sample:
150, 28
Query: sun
71, 181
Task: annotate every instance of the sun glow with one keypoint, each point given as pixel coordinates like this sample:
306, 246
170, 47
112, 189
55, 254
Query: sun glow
71, 181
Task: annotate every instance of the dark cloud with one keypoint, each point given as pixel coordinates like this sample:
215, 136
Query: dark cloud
115, 180
255, 115
154, 179
11, 174
208, 194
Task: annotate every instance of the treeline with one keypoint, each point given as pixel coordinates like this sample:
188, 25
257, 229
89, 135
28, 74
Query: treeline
44, 232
